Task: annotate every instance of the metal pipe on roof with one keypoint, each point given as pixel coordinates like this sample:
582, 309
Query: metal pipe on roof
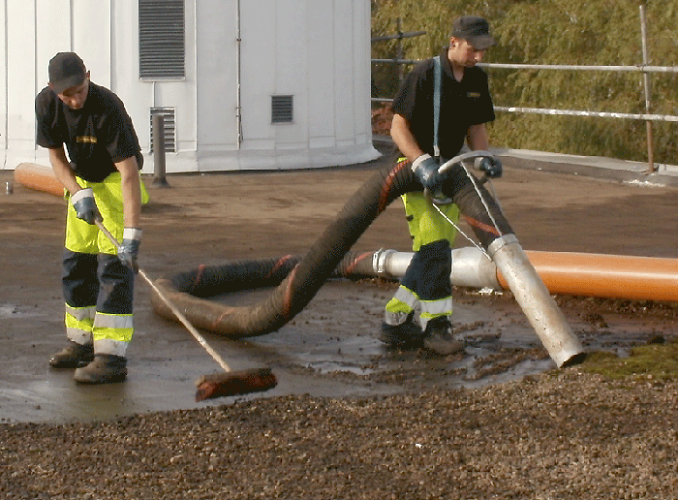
238, 105
566, 273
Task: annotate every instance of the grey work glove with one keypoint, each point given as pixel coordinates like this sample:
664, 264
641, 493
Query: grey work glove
490, 165
85, 206
425, 168
128, 251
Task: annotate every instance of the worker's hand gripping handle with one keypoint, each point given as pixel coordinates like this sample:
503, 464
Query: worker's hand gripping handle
480, 159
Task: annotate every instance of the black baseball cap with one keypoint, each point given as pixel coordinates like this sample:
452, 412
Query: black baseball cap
474, 29
66, 70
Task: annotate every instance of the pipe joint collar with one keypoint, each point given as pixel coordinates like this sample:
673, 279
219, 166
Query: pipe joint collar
380, 259
499, 243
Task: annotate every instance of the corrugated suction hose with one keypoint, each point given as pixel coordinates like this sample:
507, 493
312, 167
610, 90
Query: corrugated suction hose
298, 278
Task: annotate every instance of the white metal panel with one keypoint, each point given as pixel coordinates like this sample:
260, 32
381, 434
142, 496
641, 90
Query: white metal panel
181, 94
321, 81
362, 54
136, 95
92, 37
140, 96
217, 72
3, 91
258, 32
21, 84
314, 50
184, 95
291, 73
344, 41
52, 33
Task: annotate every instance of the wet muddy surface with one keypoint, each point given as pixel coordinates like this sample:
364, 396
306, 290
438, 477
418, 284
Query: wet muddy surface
349, 418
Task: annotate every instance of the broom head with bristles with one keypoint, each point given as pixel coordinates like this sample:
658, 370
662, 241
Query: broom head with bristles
219, 385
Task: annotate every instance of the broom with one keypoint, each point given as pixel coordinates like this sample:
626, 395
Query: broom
230, 383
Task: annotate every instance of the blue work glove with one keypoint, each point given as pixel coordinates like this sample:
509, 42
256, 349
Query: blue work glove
491, 166
85, 206
128, 251
425, 168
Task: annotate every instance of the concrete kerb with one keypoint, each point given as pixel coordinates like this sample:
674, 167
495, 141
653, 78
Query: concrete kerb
589, 166
586, 166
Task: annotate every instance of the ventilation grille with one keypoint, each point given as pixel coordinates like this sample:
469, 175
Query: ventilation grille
281, 109
161, 39
169, 125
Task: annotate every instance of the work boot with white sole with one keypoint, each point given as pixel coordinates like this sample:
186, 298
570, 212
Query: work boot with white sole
438, 337
74, 355
105, 369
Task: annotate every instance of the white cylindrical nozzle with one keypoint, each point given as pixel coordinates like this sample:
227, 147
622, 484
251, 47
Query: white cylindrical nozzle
533, 297
470, 267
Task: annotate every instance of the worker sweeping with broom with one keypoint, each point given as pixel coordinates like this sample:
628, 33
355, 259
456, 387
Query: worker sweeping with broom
105, 193
102, 182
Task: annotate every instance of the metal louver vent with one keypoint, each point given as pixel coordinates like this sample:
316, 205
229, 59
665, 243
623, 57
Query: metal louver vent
161, 39
170, 128
282, 109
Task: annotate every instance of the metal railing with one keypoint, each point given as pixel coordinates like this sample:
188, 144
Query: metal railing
644, 69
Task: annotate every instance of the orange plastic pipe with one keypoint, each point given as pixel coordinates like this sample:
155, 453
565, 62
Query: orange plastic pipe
38, 177
596, 275
611, 276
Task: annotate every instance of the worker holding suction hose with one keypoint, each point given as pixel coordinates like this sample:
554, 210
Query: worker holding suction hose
102, 182
444, 102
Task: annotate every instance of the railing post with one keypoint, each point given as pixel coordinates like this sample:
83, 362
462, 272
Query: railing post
399, 52
648, 93
159, 151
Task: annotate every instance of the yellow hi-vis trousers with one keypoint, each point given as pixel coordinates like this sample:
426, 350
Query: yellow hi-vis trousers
98, 289
426, 282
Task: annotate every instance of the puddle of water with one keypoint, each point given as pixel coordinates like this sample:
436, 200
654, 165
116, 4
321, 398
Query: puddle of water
8, 310
330, 349
334, 367
338, 333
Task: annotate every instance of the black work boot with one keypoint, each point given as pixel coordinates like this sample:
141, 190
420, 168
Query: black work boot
105, 369
404, 336
74, 355
438, 337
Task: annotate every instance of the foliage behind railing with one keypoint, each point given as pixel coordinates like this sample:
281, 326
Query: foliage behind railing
566, 32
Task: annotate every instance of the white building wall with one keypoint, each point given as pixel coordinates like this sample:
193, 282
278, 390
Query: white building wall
140, 96
318, 51
321, 110
21, 78
216, 62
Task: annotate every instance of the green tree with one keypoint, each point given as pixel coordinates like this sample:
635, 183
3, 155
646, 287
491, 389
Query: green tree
563, 32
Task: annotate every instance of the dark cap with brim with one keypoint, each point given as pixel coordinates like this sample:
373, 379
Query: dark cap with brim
66, 70
474, 29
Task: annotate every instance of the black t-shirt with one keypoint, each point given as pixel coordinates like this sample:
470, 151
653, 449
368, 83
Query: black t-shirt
462, 104
96, 136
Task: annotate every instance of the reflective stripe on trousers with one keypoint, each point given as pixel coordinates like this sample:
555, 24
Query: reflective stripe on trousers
405, 302
426, 282
425, 285
79, 323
